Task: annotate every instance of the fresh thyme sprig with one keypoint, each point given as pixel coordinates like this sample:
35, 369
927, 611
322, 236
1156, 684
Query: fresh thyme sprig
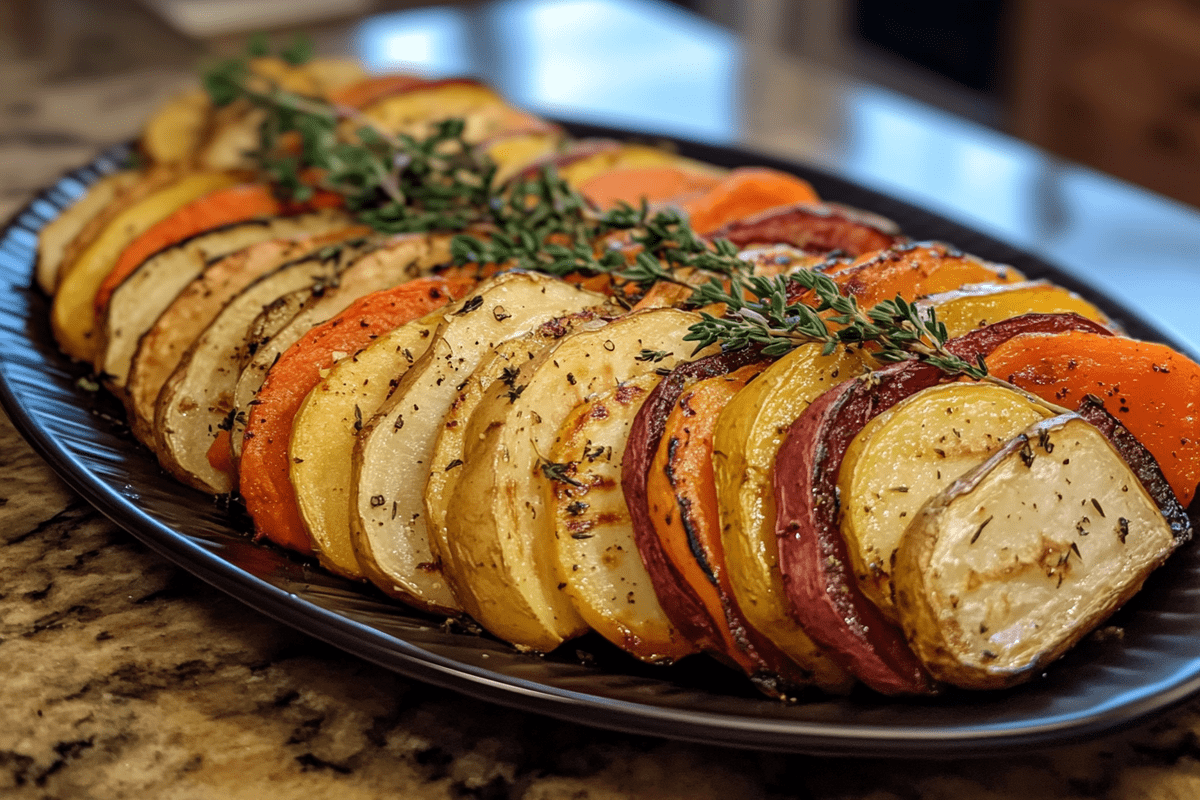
398, 183
394, 183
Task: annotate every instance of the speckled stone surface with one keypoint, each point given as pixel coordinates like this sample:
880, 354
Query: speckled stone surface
121, 676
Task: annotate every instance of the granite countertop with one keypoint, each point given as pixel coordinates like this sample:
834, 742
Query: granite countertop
123, 676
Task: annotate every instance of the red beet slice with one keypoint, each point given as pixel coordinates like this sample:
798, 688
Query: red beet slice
816, 228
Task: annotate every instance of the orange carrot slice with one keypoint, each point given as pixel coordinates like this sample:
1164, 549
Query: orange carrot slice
1153, 390
652, 184
746, 191
222, 207
913, 271
264, 483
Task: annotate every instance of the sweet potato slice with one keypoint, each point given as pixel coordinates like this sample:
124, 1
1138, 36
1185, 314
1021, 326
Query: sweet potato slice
264, 467
744, 192
654, 184
681, 492
816, 228
597, 557
1153, 390
916, 270
1014, 563
679, 600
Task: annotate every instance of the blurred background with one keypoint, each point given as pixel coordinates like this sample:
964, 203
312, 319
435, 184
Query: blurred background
1110, 83
1057, 125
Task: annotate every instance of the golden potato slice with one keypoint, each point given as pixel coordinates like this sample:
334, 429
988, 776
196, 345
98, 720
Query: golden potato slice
72, 317
327, 428
415, 111
962, 310
504, 360
908, 454
394, 462
501, 556
1012, 564
628, 156
175, 131
598, 560
58, 233
749, 432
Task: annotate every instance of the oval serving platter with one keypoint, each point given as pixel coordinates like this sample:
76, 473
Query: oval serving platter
1104, 684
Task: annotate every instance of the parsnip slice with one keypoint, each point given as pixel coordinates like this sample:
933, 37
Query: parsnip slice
1012, 564
197, 398
395, 461
60, 231
145, 294
398, 259
908, 454
598, 559
500, 532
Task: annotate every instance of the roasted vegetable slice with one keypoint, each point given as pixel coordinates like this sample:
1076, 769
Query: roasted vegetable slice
72, 317
131, 310
1012, 564
394, 261
500, 533
981, 304
54, 239
597, 557
396, 461
745, 444
197, 400
908, 454
281, 463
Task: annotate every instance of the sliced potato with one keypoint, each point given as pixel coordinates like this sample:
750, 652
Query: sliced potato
1014, 563
143, 296
749, 433
357, 386
394, 462
58, 233
500, 364
416, 110
580, 170
598, 560
175, 131
197, 398
500, 534
908, 454
73, 318
975, 306
398, 259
